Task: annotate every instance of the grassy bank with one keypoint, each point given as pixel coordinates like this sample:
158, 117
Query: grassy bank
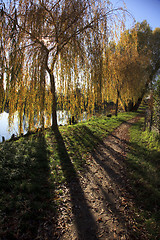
33, 169
144, 173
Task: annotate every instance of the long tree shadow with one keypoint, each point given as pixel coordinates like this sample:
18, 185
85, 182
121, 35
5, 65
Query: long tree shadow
144, 167
104, 155
83, 218
26, 205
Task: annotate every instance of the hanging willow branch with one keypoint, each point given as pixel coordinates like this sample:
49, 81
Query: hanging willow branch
56, 53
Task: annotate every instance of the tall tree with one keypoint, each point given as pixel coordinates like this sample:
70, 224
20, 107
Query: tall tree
133, 63
148, 47
50, 45
124, 67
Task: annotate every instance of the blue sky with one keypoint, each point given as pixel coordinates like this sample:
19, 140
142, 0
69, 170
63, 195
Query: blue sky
143, 10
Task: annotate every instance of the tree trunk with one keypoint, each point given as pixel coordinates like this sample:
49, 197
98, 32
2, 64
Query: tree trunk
135, 107
42, 96
43, 65
54, 124
145, 121
130, 107
116, 110
54, 104
151, 121
151, 102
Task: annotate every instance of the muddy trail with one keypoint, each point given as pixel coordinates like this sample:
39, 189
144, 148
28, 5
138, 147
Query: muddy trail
98, 204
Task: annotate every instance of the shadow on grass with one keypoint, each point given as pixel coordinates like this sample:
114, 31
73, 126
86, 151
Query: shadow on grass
86, 227
81, 141
25, 190
144, 169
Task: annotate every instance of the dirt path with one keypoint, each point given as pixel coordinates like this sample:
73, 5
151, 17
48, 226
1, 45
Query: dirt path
98, 206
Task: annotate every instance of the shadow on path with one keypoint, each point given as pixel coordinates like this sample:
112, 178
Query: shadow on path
109, 157
85, 224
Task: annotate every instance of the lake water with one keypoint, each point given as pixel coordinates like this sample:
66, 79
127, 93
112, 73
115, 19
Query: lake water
62, 118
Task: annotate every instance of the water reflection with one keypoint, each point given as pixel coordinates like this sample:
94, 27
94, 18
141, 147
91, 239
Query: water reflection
62, 118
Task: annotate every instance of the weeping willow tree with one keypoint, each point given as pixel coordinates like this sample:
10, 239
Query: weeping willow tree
2, 66
127, 71
134, 60
54, 49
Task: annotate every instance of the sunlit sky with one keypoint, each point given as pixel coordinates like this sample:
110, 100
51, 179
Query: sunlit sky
143, 10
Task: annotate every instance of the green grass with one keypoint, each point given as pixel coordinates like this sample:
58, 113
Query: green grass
144, 173
33, 169
84, 137
25, 190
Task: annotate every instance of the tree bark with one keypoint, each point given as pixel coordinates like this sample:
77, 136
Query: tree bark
44, 58
54, 124
151, 121
54, 104
116, 110
135, 107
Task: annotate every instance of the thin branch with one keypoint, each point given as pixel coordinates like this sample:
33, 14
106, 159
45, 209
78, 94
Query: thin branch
89, 25
19, 49
72, 23
50, 13
36, 40
55, 5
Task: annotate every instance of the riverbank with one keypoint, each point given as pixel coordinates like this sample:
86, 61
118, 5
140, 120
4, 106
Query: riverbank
45, 187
